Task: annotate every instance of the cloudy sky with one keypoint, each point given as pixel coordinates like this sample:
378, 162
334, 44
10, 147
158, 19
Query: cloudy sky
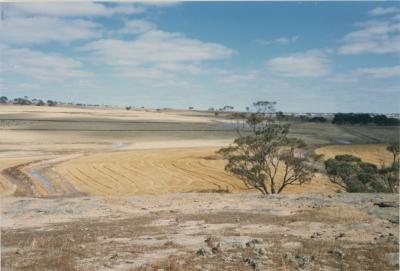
313, 57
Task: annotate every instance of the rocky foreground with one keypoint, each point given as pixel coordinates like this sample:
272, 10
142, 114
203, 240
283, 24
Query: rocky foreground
202, 232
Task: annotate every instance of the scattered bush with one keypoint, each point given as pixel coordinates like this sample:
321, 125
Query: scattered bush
354, 175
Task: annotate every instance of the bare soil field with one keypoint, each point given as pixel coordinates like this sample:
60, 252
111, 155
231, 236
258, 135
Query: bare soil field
95, 189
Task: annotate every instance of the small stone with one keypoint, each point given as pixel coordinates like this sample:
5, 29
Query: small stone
201, 252
302, 261
337, 252
386, 204
315, 235
254, 241
341, 235
216, 249
262, 251
393, 259
251, 263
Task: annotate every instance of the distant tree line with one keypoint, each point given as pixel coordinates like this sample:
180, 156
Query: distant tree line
364, 119
38, 102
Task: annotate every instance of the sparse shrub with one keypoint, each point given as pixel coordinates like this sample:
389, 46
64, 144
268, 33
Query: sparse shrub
51, 103
354, 175
3, 100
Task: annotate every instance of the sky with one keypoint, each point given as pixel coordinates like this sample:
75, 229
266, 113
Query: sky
306, 56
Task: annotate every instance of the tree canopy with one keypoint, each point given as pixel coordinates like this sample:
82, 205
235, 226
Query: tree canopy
267, 159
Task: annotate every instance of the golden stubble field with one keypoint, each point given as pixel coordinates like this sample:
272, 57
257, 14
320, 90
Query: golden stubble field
160, 172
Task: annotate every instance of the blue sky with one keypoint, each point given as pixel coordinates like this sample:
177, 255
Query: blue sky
307, 56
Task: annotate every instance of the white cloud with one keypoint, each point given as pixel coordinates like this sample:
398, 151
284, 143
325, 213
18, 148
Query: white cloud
137, 27
150, 73
155, 55
384, 11
369, 74
239, 78
69, 9
379, 73
279, 41
314, 63
38, 30
376, 36
156, 47
179, 67
38, 65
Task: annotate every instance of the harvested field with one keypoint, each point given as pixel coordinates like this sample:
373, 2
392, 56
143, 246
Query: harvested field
159, 172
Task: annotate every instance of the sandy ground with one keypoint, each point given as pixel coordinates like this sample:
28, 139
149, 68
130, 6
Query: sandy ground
202, 232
